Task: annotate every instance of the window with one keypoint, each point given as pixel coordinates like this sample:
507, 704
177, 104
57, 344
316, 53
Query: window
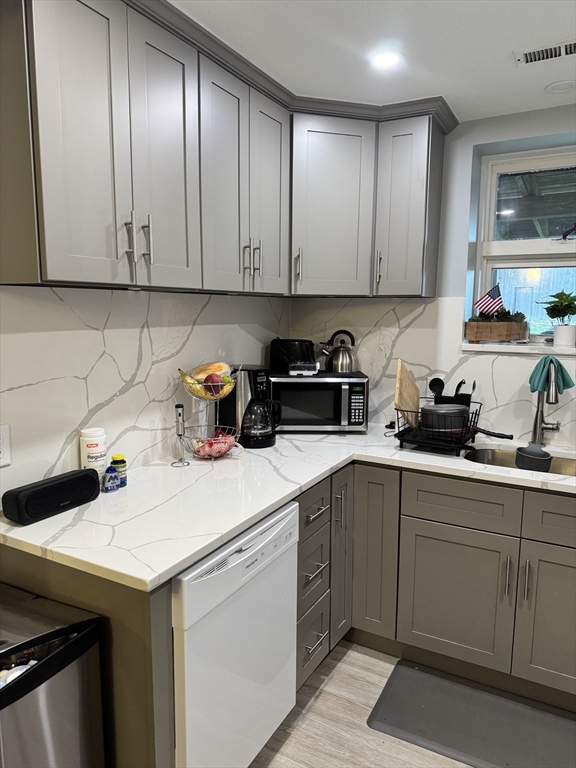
529, 201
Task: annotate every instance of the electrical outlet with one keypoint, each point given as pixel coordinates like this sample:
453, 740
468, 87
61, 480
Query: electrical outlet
5, 446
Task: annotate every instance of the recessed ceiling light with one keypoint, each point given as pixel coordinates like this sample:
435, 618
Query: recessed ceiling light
387, 59
560, 86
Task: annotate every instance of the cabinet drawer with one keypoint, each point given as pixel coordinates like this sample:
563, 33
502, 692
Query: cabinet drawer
549, 518
313, 639
313, 569
314, 509
484, 507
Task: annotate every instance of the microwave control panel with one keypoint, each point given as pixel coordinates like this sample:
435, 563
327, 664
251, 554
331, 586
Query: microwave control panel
357, 404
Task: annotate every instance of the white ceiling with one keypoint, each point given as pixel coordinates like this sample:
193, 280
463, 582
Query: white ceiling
459, 49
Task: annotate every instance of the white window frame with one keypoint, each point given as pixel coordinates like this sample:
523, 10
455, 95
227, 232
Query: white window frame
508, 254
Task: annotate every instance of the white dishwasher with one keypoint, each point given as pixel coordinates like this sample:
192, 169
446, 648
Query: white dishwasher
234, 626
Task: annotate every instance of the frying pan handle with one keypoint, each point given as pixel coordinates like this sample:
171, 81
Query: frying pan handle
493, 434
339, 333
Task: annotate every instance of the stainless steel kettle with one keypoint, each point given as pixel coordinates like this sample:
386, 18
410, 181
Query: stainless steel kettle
341, 358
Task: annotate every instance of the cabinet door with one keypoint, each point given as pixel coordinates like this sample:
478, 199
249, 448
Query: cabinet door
342, 531
164, 123
457, 592
545, 636
332, 201
407, 221
80, 65
376, 519
269, 194
224, 136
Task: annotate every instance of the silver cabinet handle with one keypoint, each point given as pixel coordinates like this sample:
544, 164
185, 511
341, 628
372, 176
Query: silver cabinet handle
260, 250
507, 583
150, 251
526, 579
342, 502
314, 515
317, 572
132, 225
312, 648
299, 265
251, 257
378, 266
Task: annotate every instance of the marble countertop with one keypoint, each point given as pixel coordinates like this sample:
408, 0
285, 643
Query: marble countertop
168, 518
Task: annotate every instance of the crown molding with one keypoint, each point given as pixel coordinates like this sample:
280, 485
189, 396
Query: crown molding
170, 17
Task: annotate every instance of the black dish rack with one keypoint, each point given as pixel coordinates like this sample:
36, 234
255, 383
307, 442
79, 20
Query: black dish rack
448, 433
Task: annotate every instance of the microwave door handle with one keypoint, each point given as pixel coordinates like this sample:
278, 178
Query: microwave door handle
345, 404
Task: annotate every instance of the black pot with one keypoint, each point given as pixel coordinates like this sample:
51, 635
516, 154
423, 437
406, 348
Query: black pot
451, 419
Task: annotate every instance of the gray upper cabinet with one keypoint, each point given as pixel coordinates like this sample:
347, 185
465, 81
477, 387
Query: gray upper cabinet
545, 636
457, 592
82, 140
342, 528
269, 271
410, 158
224, 174
164, 121
332, 205
376, 518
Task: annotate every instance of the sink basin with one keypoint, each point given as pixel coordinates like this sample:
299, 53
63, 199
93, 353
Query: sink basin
494, 457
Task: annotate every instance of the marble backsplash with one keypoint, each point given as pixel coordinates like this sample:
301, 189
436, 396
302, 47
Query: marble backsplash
74, 358
427, 336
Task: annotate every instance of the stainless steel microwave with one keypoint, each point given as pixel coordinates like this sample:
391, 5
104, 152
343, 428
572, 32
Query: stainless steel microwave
325, 402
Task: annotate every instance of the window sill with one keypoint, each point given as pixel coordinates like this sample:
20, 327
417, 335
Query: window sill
507, 348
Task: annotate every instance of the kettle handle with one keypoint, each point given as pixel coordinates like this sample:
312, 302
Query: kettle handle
339, 333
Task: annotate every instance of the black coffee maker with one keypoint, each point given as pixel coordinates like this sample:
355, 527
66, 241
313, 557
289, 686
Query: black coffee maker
262, 415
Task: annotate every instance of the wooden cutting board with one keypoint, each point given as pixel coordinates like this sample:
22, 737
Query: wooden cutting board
407, 395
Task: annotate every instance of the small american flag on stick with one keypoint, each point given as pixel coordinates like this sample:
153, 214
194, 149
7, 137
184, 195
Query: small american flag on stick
491, 302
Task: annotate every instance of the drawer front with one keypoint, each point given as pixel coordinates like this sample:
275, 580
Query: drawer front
480, 506
313, 639
313, 569
549, 518
314, 509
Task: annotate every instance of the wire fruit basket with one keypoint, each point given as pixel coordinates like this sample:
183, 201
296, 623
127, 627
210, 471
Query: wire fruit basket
207, 391
209, 441
439, 431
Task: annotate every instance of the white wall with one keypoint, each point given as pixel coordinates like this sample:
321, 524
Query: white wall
74, 358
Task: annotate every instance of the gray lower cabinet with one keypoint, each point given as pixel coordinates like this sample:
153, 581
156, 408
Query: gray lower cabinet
312, 639
164, 120
550, 518
313, 569
314, 509
461, 502
342, 531
457, 592
376, 520
410, 162
332, 204
545, 634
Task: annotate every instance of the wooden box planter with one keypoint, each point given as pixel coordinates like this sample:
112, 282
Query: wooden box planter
477, 332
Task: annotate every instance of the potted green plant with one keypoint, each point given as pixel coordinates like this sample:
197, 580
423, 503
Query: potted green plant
560, 310
503, 326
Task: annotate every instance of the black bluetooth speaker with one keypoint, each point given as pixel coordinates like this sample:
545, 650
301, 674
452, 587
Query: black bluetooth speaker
45, 498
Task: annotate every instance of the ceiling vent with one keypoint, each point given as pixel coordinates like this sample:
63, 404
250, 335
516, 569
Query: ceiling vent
557, 51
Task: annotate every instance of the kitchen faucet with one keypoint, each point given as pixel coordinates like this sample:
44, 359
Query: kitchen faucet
540, 425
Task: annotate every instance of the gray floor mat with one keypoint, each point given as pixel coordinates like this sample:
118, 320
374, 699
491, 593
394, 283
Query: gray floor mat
473, 723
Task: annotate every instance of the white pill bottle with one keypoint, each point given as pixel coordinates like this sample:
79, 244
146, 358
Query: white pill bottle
93, 450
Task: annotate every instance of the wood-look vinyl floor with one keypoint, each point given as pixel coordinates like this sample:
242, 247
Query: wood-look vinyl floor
327, 728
